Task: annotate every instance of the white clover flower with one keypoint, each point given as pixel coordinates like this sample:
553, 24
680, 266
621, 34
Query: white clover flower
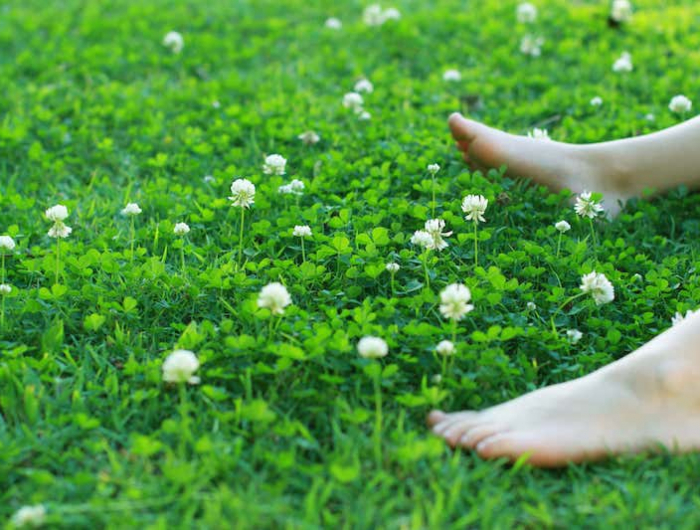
274, 165
454, 301
131, 209
180, 366
623, 63
60, 230
422, 238
392, 14
436, 379
435, 228
373, 15
7, 243
621, 10
353, 101
309, 138
5, 289
274, 297
364, 85
573, 335
295, 187
433, 169
531, 306
372, 347
586, 206
527, 13
679, 317
475, 206
597, 101
599, 286
650, 117
333, 23
174, 41
181, 229
452, 75
302, 231
57, 213
562, 226
445, 348
242, 193
539, 134
393, 268
680, 104
364, 116
531, 45
216, 104
28, 516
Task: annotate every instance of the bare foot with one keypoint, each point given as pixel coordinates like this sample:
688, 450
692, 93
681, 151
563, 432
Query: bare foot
645, 401
554, 164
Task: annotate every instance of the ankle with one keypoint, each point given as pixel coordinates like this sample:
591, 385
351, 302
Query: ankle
611, 172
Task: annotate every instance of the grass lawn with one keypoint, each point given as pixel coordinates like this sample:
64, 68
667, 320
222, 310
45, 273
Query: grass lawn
281, 431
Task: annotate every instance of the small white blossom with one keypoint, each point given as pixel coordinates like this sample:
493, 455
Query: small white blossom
373, 15
531, 306
216, 104
333, 23
60, 230
531, 45
586, 206
393, 268
679, 317
174, 41
180, 366
650, 117
596, 101
422, 238
5, 289
445, 348
621, 10
475, 206
7, 243
454, 301
295, 187
599, 286
242, 193
436, 227
274, 297
623, 63
131, 209
452, 75
28, 516
302, 231
436, 379
539, 134
353, 101
372, 347
392, 14
364, 85
57, 213
181, 229
562, 226
274, 165
680, 104
364, 116
573, 335
527, 13
209, 179
433, 169
309, 138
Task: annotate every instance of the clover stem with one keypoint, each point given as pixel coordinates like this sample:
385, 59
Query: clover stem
378, 418
240, 237
476, 245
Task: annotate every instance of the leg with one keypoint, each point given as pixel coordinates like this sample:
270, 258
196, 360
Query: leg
618, 169
647, 400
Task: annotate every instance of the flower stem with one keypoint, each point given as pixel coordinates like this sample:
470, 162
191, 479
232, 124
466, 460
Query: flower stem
378, 419
392, 284
303, 253
559, 244
133, 237
425, 268
433, 204
240, 237
454, 331
58, 257
182, 256
595, 244
184, 415
476, 245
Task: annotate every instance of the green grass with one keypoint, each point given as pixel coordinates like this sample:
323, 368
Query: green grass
97, 113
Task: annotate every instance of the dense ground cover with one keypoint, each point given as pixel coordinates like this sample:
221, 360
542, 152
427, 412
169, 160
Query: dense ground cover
279, 433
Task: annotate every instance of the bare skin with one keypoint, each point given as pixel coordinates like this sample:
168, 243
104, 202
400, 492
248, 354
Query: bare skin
649, 400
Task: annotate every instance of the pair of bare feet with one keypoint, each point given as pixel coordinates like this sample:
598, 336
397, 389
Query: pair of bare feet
645, 401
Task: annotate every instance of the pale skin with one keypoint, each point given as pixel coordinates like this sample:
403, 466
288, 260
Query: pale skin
646, 401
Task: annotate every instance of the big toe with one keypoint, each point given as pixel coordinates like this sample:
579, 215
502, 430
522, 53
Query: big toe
463, 130
435, 417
